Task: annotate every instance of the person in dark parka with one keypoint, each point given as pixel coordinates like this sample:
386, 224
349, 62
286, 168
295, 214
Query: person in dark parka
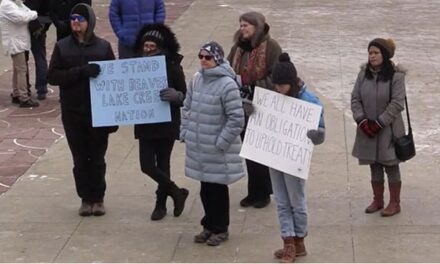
60, 12
69, 69
156, 141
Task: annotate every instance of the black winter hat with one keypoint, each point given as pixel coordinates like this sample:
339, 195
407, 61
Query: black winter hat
81, 10
284, 72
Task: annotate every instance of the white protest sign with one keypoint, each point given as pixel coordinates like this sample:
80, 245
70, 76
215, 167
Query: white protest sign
127, 92
276, 133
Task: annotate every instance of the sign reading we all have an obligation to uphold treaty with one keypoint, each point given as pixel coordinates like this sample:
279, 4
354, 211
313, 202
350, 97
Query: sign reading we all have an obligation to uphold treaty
127, 92
276, 134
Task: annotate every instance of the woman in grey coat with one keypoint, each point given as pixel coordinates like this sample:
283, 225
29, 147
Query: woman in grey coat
212, 119
377, 101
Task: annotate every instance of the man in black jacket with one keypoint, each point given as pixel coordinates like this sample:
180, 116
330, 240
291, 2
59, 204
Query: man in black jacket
38, 29
69, 69
60, 12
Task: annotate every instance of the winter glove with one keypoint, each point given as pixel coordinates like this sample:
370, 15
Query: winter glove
247, 107
171, 95
317, 136
374, 126
91, 70
363, 125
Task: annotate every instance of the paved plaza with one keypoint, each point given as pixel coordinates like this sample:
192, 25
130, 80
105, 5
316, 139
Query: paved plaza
327, 41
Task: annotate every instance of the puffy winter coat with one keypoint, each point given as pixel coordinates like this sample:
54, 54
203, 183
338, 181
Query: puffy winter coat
212, 119
372, 99
176, 80
14, 19
128, 16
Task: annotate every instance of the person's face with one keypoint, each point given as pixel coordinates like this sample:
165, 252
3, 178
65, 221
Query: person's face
150, 48
78, 23
375, 56
247, 30
282, 88
206, 60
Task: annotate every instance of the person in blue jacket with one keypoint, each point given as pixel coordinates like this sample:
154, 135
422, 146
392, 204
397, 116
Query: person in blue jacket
289, 190
127, 17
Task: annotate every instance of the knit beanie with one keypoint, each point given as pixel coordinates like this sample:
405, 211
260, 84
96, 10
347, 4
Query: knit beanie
215, 50
387, 44
154, 36
82, 10
284, 72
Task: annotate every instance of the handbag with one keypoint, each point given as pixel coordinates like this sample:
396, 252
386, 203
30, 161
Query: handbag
404, 145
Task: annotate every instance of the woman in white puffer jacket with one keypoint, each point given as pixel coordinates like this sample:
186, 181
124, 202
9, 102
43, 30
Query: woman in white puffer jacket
16, 40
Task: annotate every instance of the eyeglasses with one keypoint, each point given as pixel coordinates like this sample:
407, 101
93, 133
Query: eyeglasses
77, 17
207, 57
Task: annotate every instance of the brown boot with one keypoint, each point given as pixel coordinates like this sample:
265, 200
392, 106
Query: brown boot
394, 205
300, 248
377, 203
289, 252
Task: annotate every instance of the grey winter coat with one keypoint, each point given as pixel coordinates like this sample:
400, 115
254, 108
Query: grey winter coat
370, 99
212, 119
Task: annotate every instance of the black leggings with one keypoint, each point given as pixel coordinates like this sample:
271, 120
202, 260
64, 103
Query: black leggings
154, 157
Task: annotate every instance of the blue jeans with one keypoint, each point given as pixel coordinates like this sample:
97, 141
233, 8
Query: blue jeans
38, 48
290, 197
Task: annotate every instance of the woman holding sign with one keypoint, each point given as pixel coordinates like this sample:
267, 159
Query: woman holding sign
252, 57
156, 141
289, 190
377, 101
212, 119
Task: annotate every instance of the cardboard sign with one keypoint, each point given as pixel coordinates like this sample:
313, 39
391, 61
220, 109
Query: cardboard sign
276, 134
127, 92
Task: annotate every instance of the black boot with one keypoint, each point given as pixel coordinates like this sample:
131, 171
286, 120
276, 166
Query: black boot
179, 196
160, 210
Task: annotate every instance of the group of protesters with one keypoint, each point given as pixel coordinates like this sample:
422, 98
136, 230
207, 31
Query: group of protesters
209, 115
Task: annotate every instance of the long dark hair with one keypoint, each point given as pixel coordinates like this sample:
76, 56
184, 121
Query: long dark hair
387, 69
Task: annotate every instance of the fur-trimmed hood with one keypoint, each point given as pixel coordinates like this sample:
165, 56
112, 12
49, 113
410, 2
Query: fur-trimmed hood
397, 67
170, 43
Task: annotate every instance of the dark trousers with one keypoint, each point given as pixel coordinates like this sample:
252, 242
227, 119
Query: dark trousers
125, 52
215, 200
38, 48
88, 146
259, 184
154, 157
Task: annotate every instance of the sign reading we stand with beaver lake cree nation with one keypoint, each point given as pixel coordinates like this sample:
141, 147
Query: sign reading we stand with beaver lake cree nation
127, 92
276, 133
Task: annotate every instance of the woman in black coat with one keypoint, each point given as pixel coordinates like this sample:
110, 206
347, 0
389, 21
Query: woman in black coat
156, 141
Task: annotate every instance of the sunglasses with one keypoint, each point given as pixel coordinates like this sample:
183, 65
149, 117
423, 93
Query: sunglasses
207, 57
77, 17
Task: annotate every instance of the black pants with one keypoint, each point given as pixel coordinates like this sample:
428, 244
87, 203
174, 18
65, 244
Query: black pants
88, 146
259, 184
154, 157
215, 200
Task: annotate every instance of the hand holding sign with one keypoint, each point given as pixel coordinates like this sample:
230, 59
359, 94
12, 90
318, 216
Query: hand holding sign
277, 134
171, 95
127, 91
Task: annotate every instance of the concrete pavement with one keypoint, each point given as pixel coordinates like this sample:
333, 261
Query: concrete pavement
327, 40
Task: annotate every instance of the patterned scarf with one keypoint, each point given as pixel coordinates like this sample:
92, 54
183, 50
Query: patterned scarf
255, 67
